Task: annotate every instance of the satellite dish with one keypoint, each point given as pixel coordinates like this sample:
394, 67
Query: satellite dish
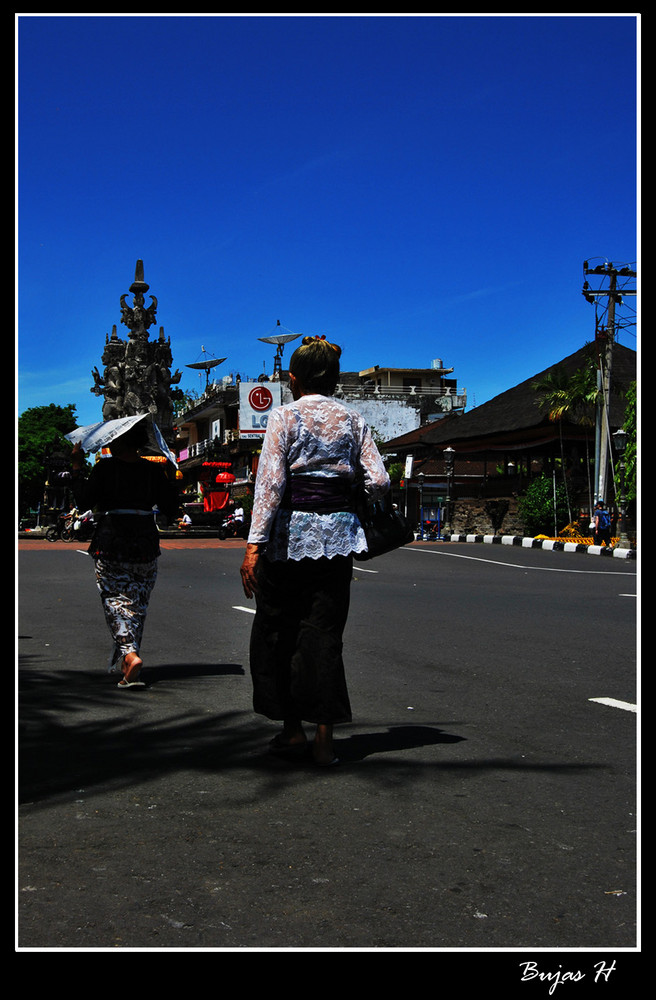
206, 364
279, 339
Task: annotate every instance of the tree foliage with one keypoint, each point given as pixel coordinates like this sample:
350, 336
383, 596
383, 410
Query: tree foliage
572, 397
631, 453
568, 396
41, 431
536, 507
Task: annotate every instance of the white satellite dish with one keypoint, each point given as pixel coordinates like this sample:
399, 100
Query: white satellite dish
279, 339
206, 364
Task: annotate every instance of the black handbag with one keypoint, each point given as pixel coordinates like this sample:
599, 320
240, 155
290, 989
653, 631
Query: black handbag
386, 527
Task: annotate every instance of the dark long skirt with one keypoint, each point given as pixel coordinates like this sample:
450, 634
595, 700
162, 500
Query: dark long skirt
296, 642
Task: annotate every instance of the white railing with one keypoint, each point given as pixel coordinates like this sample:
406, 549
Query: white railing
459, 395
199, 448
202, 447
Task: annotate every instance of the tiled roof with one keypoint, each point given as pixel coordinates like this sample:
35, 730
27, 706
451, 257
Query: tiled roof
516, 412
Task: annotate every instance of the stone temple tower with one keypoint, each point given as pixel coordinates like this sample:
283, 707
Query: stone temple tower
137, 376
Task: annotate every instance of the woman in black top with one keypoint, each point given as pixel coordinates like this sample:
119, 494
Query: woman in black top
125, 547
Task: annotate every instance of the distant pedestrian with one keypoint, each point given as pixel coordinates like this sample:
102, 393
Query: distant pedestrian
601, 518
125, 546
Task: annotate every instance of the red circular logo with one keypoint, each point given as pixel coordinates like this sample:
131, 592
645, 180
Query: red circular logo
260, 398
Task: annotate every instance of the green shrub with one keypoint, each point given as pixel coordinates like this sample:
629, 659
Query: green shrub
536, 507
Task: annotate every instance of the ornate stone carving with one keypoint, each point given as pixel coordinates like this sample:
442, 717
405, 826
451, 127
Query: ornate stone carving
137, 372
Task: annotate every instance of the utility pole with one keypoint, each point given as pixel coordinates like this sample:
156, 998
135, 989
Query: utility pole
604, 340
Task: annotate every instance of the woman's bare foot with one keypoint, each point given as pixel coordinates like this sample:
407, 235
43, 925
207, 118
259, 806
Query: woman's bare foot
322, 749
132, 664
292, 736
293, 732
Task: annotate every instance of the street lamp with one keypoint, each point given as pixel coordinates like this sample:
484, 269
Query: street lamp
449, 457
420, 477
619, 437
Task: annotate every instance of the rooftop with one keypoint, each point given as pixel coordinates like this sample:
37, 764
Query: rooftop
516, 410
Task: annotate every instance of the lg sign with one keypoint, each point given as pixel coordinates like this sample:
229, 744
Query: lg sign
255, 404
260, 398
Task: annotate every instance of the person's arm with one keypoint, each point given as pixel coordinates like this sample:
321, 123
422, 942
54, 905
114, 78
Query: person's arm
269, 487
84, 490
249, 568
168, 501
270, 481
376, 480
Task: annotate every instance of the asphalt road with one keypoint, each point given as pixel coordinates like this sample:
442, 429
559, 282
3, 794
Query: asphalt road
485, 800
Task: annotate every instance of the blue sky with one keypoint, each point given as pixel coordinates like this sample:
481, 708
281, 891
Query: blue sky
414, 187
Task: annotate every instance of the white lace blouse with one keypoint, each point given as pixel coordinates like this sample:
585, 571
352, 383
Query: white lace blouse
313, 436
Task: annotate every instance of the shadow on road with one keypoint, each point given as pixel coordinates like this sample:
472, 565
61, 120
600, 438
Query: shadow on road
76, 731
361, 746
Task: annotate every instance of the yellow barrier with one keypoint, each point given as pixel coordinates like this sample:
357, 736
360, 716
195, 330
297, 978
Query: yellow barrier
576, 539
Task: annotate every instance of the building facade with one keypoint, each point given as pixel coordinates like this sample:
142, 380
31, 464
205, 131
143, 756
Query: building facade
222, 429
474, 467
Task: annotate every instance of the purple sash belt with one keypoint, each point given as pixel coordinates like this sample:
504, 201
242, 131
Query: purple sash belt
318, 494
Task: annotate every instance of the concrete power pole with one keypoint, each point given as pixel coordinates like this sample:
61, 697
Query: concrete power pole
604, 340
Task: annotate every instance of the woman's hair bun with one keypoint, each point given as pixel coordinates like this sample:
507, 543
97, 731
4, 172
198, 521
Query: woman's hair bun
316, 364
307, 341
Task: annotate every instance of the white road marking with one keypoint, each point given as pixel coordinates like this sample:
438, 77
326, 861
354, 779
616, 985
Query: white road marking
613, 703
238, 607
359, 569
499, 562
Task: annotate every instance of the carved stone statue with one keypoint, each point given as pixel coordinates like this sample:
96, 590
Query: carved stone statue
137, 371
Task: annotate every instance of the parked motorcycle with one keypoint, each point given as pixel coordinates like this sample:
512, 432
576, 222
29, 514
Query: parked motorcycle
61, 527
233, 527
80, 527
432, 531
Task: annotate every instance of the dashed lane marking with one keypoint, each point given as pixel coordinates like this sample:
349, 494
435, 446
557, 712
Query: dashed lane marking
613, 703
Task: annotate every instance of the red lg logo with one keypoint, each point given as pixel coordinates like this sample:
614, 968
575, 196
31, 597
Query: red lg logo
260, 398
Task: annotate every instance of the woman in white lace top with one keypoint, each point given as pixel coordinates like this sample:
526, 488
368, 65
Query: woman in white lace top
298, 561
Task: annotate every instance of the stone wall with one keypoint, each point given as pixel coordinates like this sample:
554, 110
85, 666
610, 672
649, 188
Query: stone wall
500, 516
487, 516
